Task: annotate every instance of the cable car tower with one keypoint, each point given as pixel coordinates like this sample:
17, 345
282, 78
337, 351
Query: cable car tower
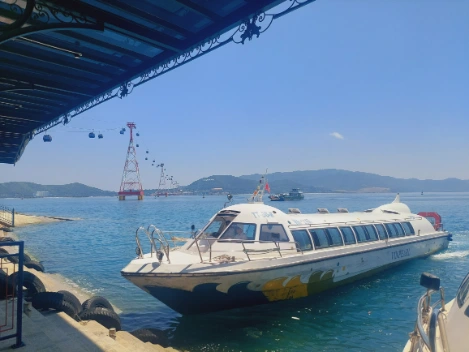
131, 185
162, 185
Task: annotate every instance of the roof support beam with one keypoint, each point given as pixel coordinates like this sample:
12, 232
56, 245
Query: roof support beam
55, 86
200, 10
151, 18
122, 25
56, 61
107, 46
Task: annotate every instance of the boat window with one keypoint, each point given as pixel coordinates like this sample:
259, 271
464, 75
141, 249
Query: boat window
381, 232
372, 235
216, 227
400, 230
361, 234
240, 231
335, 237
302, 239
273, 232
218, 224
463, 290
347, 233
319, 238
408, 228
392, 231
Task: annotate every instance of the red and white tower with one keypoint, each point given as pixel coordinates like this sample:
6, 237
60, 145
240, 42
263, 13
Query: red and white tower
131, 185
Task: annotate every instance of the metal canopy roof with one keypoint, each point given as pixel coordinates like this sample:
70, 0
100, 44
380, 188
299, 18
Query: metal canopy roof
59, 58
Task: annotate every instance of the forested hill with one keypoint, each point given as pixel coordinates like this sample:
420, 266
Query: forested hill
28, 190
233, 184
354, 181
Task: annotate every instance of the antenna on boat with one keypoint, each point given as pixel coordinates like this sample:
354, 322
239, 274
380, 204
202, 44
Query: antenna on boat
259, 191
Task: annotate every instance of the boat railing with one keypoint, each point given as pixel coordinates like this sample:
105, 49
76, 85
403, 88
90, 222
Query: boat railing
160, 242
429, 319
203, 242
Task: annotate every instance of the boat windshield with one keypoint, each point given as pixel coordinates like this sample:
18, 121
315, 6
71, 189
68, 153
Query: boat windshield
218, 225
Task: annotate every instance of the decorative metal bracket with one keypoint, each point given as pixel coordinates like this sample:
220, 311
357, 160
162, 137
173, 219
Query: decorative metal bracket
251, 27
38, 16
25, 15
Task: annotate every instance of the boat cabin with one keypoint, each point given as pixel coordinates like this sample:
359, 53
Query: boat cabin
256, 226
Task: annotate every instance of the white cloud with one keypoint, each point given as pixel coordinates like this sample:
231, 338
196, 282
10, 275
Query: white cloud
337, 135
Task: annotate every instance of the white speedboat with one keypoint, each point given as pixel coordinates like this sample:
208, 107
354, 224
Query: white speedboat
253, 253
441, 327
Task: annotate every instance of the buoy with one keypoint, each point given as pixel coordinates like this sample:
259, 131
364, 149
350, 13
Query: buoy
91, 135
47, 138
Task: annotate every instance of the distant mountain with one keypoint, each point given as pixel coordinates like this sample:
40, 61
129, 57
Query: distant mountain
29, 190
227, 183
232, 184
354, 181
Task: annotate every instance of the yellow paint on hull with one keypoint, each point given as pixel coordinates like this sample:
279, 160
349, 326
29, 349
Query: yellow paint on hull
290, 288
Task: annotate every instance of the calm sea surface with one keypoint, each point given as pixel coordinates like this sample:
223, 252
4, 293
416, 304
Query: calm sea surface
374, 314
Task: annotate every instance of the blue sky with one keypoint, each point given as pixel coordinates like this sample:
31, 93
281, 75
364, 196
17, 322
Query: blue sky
390, 76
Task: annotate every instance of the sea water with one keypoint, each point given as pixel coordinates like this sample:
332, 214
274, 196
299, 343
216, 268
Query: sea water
374, 314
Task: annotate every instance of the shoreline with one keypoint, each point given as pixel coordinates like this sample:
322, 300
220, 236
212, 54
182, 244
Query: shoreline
22, 219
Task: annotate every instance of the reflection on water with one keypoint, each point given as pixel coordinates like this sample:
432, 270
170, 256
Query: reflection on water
374, 314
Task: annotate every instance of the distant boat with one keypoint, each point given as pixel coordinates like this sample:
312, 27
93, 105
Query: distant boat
294, 194
422, 193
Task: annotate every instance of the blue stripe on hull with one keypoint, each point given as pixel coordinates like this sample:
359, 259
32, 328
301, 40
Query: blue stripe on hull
205, 298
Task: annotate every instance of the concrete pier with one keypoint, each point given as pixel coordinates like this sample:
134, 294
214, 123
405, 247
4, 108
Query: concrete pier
56, 331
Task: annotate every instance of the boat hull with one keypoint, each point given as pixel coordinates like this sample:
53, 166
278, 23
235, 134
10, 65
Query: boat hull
196, 291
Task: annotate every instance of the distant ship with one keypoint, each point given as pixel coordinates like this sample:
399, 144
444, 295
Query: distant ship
294, 194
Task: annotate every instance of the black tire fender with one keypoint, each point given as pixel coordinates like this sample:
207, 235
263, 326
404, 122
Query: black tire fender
32, 283
72, 299
106, 317
95, 302
34, 265
3, 284
54, 300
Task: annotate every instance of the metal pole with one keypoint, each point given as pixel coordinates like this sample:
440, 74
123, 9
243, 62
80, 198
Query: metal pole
13, 217
19, 303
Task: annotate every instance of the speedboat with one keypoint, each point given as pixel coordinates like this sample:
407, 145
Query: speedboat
441, 326
252, 253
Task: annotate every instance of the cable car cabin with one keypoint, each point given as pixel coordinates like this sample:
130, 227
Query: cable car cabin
138, 134
137, 145
47, 138
91, 135
121, 132
147, 151
146, 158
100, 136
153, 160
